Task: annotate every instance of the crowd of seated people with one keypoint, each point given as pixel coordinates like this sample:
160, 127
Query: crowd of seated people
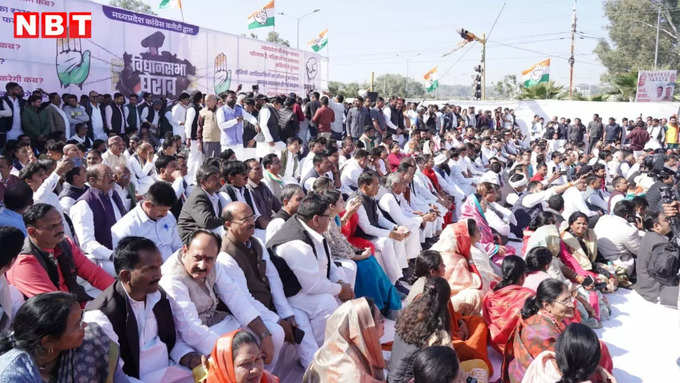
164, 242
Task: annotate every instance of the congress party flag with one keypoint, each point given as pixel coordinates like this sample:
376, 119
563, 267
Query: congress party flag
430, 82
321, 41
170, 3
263, 17
537, 74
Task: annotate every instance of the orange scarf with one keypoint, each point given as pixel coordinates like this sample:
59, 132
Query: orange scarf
222, 362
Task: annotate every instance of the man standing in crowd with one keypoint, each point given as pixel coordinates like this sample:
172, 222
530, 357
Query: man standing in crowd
115, 116
11, 105
208, 133
178, 115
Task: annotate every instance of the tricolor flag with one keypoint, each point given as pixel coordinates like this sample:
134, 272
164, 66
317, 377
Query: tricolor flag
430, 82
537, 74
262, 17
318, 43
170, 3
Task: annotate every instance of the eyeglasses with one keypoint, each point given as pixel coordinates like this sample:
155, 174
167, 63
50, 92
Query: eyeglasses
250, 218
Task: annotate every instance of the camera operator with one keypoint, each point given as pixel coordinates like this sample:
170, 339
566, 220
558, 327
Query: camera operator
656, 246
663, 178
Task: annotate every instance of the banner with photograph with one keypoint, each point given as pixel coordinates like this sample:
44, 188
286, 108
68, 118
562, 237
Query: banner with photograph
132, 53
657, 85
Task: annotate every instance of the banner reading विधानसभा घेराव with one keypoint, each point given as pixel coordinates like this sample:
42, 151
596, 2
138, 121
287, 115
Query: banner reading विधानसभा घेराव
132, 53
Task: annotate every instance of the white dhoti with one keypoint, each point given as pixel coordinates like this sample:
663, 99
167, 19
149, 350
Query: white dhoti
318, 308
307, 348
412, 242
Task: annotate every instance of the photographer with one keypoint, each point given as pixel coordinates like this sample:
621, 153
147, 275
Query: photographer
654, 246
662, 178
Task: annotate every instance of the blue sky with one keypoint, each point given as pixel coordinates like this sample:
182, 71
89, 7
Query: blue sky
381, 35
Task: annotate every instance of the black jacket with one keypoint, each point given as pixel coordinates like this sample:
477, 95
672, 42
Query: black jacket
197, 213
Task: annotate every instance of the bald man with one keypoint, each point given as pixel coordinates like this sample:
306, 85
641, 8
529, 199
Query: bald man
142, 167
245, 259
114, 152
93, 215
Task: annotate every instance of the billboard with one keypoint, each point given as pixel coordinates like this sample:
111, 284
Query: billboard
655, 86
132, 52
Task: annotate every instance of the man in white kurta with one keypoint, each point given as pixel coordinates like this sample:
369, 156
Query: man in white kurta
242, 254
197, 317
140, 291
101, 181
316, 289
142, 168
386, 236
351, 170
150, 219
393, 204
178, 115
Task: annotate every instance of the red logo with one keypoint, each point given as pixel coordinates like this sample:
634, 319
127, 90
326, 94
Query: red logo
54, 25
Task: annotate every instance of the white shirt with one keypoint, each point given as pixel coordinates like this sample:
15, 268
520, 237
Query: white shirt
83, 223
163, 232
46, 194
189, 121
338, 125
273, 227
111, 160
178, 116
142, 176
401, 215
291, 171
616, 238
231, 267
16, 130
154, 357
574, 201
263, 118
97, 123
187, 321
310, 270
349, 176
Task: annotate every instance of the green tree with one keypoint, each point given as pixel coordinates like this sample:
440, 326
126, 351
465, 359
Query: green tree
632, 31
273, 37
508, 88
624, 85
543, 91
133, 5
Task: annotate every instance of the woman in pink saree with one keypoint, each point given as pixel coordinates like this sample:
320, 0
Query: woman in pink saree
474, 207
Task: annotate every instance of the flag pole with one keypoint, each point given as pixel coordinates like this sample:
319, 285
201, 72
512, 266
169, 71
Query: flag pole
181, 10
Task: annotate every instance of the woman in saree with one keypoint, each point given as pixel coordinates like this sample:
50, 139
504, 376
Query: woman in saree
575, 360
429, 321
466, 282
237, 358
371, 280
502, 305
351, 351
50, 343
475, 207
578, 252
541, 324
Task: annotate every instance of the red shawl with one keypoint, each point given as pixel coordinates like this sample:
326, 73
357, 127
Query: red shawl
349, 230
429, 172
501, 310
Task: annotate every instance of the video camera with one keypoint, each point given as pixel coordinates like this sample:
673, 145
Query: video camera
669, 194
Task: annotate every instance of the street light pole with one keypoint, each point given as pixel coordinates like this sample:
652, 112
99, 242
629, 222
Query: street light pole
297, 44
656, 46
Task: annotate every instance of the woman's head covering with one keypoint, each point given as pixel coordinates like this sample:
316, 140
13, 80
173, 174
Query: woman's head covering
222, 362
463, 240
351, 351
